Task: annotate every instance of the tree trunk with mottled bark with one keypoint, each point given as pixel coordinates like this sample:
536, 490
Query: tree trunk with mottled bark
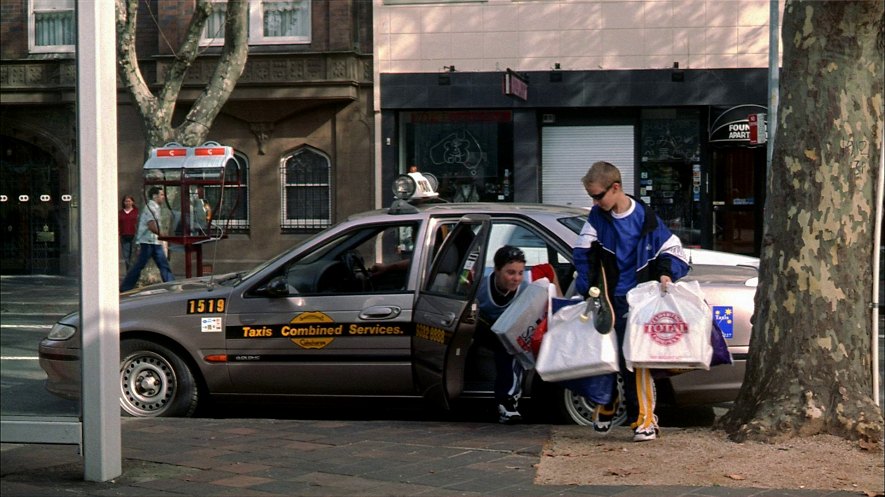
157, 110
810, 363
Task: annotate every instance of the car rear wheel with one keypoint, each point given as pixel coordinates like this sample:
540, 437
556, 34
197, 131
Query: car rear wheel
154, 381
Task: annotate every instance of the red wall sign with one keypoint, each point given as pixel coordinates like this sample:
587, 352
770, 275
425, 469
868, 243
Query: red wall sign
515, 86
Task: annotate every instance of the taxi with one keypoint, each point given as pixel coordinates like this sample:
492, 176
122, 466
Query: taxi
379, 305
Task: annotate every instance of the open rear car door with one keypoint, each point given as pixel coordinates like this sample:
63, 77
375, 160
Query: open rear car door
445, 313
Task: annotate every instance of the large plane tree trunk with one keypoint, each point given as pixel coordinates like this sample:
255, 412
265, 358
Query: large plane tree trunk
810, 363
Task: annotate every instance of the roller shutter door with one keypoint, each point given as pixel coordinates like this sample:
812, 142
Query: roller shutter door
567, 152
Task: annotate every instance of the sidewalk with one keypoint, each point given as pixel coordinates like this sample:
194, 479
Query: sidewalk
267, 457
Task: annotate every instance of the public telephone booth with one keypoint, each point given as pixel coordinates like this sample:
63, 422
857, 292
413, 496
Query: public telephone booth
201, 185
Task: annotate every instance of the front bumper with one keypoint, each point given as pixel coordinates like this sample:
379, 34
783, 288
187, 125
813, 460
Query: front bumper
61, 362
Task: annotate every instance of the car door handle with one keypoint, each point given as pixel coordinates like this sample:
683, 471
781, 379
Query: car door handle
448, 319
381, 312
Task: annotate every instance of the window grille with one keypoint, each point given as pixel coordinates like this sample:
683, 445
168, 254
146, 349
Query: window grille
306, 196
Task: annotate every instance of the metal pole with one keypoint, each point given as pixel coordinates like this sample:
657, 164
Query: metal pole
877, 244
773, 78
99, 282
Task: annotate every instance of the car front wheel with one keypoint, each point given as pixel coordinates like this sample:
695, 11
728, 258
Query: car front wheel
578, 410
155, 382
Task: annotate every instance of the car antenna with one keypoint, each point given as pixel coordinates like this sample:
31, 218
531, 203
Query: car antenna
211, 283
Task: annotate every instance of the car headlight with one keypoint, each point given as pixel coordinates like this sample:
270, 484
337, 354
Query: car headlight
61, 332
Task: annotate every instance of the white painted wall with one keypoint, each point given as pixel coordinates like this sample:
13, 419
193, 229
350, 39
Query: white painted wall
533, 35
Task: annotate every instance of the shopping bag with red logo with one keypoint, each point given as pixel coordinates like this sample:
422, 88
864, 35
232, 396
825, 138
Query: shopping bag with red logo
518, 322
670, 329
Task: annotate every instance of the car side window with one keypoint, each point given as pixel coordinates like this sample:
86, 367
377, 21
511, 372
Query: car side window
372, 259
538, 249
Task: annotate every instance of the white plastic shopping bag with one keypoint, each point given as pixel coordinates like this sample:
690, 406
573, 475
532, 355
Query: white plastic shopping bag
572, 348
668, 330
517, 323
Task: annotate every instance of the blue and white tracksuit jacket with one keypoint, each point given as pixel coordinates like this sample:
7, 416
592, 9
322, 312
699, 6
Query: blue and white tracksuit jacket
658, 253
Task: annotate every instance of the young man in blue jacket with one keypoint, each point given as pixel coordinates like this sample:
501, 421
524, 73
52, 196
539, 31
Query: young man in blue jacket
627, 241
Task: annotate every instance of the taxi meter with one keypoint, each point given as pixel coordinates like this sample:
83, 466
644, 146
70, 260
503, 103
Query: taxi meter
202, 186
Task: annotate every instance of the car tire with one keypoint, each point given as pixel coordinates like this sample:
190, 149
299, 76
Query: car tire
155, 382
576, 408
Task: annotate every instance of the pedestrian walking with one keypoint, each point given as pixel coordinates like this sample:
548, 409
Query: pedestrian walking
127, 220
149, 244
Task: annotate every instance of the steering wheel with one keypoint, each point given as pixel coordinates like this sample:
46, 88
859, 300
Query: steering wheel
356, 266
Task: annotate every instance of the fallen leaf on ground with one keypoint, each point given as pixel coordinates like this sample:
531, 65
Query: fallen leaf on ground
868, 445
618, 472
736, 477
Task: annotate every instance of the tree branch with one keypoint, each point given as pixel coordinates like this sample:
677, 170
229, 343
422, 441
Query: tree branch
224, 78
127, 61
185, 57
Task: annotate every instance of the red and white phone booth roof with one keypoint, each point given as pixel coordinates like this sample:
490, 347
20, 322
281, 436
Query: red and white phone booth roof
175, 156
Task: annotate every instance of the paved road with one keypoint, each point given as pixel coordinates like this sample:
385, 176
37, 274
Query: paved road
270, 457
29, 306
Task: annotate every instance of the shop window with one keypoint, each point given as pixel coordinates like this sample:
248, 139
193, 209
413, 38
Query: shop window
52, 26
670, 172
470, 152
270, 22
306, 196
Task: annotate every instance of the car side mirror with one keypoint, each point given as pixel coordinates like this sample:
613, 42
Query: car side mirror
277, 287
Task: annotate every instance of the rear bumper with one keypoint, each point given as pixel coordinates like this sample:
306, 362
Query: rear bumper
719, 384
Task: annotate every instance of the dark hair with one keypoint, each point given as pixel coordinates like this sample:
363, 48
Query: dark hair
125, 198
507, 254
153, 191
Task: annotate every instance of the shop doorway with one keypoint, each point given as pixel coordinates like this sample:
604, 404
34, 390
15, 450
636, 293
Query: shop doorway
738, 191
30, 210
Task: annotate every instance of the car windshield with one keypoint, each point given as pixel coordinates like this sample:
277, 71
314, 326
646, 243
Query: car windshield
252, 272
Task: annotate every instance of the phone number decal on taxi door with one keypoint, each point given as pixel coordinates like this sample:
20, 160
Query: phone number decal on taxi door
431, 333
205, 306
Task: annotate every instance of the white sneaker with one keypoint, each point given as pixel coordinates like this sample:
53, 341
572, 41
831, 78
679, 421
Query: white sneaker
507, 413
645, 433
606, 417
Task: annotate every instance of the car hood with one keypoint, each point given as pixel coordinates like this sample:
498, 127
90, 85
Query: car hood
161, 294
179, 287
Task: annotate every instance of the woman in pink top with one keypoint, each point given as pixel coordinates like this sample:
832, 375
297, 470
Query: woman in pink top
128, 220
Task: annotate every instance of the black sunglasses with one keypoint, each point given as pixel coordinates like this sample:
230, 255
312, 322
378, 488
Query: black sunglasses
599, 196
